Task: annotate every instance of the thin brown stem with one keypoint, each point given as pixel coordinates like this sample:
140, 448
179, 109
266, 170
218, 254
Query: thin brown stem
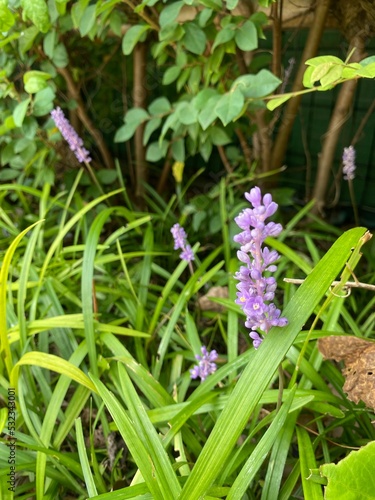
291, 108
224, 159
143, 15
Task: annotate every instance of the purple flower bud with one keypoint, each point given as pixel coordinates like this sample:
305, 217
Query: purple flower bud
206, 364
348, 159
179, 236
256, 291
70, 135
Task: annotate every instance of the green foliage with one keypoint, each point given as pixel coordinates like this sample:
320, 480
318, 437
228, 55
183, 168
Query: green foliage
351, 477
329, 71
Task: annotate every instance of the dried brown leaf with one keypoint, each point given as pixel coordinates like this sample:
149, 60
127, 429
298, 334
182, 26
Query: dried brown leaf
216, 291
359, 372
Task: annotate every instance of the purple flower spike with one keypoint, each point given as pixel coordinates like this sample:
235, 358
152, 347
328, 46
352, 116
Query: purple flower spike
179, 236
255, 290
70, 135
206, 364
348, 159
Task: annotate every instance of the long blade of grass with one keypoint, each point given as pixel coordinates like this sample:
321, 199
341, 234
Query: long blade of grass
136, 447
261, 450
268, 357
5, 351
51, 362
163, 470
87, 474
311, 490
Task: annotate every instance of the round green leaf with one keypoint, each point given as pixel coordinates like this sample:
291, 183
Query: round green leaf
194, 38
256, 86
37, 12
20, 111
169, 14
224, 36
230, 106
159, 106
132, 37
60, 56
156, 151
87, 20
171, 74
43, 102
353, 477
186, 113
178, 150
208, 115
246, 36
6, 18
35, 81
218, 136
150, 127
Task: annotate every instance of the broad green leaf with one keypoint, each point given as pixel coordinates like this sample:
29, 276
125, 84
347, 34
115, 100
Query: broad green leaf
231, 4
43, 101
49, 43
171, 75
332, 76
37, 12
169, 13
307, 77
60, 56
367, 60
186, 113
274, 103
367, 71
201, 99
208, 115
156, 151
218, 136
132, 37
178, 150
7, 19
150, 127
317, 61
87, 20
256, 86
230, 106
353, 477
26, 38
35, 81
19, 112
159, 106
246, 36
224, 35
194, 38
133, 118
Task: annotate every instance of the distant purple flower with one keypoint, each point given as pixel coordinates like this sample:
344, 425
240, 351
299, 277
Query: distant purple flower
70, 135
179, 236
255, 290
348, 159
206, 364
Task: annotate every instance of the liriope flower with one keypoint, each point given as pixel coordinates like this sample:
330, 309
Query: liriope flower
70, 135
206, 364
256, 288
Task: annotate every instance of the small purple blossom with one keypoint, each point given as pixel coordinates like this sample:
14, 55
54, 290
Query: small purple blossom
179, 236
348, 159
255, 290
70, 135
206, 364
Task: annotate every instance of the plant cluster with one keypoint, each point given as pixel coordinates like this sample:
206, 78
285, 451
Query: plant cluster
125, 351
